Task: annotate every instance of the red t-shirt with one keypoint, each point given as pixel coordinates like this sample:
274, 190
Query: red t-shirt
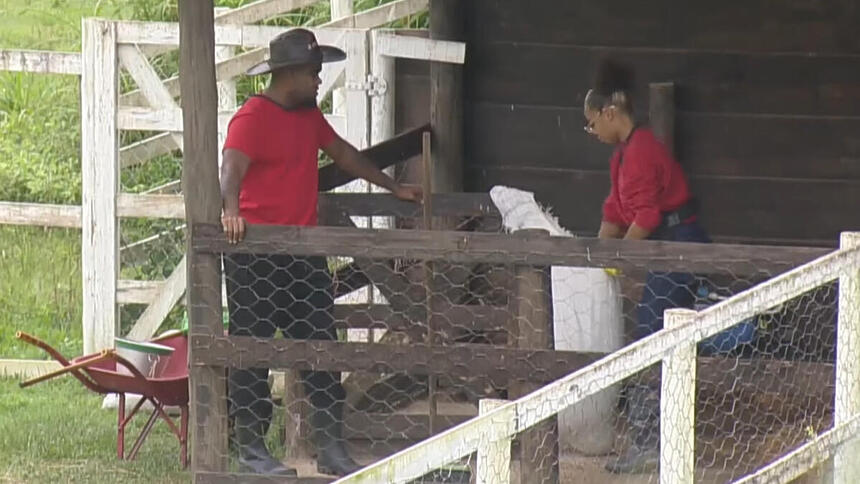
280, 186
647, 181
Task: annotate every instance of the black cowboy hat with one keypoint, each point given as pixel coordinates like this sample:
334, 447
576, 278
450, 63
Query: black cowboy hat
293, 48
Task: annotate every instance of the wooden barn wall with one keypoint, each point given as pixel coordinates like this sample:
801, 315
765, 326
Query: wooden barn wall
768, 100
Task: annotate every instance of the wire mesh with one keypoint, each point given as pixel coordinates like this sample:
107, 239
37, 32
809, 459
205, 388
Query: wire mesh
457, 321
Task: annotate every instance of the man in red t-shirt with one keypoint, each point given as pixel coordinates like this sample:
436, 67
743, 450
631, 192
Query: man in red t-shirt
269, 176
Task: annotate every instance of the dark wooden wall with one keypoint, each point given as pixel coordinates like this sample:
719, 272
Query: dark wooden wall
768, 100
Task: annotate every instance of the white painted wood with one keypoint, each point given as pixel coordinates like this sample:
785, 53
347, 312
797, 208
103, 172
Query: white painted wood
493, 464
40, 214
226, 88
249, 36
260, 10
339, 9
382, 101
40, 61
150, 206
357, 104
378, 16
165, 299
137, 292
147, 119
151, 86
421, 49
100, 183
846, 464
26, 369
531, 409
226, 69
332, 75
801, 460
146, 149
678, 405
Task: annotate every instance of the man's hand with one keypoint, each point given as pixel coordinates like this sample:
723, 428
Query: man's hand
234, 227
410, 193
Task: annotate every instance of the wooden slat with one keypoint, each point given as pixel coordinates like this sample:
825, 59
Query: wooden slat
450, 318
444, 205
238, 478
40, 61
99, 183
408, 47
144, 150
161, 304
756, 26
378, 16
151, 206
248, 36
260, 10
385, 154
26, 369
40, 214
137, 292
473, 247
498, 363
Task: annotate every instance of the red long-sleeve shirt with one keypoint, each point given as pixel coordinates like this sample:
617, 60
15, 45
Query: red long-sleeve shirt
647, 181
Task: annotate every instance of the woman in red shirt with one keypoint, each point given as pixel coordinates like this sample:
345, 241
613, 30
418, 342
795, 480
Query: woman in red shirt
649, 198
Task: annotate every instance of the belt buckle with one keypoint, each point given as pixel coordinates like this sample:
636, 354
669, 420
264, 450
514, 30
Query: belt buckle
673, 219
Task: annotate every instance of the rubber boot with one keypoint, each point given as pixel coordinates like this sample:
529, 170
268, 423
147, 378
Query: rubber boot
643, 456
332, 458
254, 457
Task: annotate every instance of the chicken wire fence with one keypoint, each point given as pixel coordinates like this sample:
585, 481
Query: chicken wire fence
457, 318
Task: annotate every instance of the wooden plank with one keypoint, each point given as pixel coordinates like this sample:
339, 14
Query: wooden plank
226, 69
446, 99
260, 10
379, 16
99, 183
40, 61
238, 478
203, 205
161, 304
137, 292
661, 112
455, 361
357, 110
26, 369
758, 26
151, 86
576, 197
247, 36
473, 247
408, 47
144, 150
457, 317
151, 206
385, 154
444, 204
725, 82
40, 214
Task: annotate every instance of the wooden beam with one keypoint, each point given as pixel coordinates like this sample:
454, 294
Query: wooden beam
456, 247
203, 205
500, 364
446, 99
146, 149
661, 112
408, 47
99, 183
247, 36
260, 10
40, 61
150, 206
385, 154
379, 16
169, 293
40, 214
131, 291
383, 204
26, 369
238, 478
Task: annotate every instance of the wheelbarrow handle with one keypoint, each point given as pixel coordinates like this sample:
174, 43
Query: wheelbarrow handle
104, 355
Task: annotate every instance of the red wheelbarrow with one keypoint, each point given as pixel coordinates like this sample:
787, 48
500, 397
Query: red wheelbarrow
107, 372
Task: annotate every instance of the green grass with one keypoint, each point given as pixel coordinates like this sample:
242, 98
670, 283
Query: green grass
57, 432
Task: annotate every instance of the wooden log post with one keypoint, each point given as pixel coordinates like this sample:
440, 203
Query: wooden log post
99, 183
534, 330
202, 205
446, 99
661, 112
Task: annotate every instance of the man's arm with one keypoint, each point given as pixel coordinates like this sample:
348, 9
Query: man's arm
349, 159
636, 232
233, 168
609, 230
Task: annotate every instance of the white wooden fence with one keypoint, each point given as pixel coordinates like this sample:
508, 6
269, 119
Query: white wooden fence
490, 433
107, 47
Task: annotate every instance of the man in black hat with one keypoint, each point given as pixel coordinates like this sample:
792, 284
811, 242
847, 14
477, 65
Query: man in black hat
269, 176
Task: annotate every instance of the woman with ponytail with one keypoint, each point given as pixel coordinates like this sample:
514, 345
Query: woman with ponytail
649, 198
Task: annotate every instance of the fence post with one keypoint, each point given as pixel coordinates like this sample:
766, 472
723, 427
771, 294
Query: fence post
678, 405
534, 330
99, 183
493, 463
846, 468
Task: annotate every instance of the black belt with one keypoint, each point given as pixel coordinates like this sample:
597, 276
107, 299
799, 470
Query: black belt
679, 216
